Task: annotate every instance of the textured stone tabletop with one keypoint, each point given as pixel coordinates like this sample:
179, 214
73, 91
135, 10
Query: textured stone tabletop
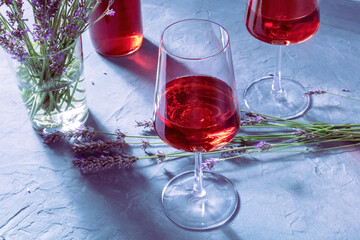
283, 196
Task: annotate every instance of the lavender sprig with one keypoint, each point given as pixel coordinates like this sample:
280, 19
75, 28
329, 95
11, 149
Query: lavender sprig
160, 156
93, 164
57, 24
45, 49
147, 124
290, 134
53, 137
145, 144
83, 133
303, 134
263, 146
254, 119
321, 92
99, 146
208, 164
314, 92
232, 150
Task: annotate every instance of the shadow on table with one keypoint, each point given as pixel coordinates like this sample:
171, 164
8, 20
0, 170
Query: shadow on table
341, 14
133, 207
129, 205
142, 63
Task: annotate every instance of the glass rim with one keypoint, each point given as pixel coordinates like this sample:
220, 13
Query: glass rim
55, 53
197, 58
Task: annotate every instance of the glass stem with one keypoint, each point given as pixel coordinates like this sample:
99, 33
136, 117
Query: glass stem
198, 189
276, 85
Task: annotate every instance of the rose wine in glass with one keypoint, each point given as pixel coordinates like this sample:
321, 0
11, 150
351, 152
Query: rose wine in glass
120, 34
280, 22
197, 113
196, 110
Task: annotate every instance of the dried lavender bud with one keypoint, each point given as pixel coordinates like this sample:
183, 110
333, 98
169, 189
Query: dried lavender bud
310, 136
263, 146
145, 144
12, 43
231, 151
161, 156
300, 132
145, 124
252, 121
83, 133
209, 164
251, 115
93, 164
98, 146
120, 136
52, 30
110, 12
129, 161
316, 92
53, 137
260, 119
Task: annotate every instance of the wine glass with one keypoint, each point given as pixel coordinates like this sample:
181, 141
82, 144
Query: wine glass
280, 22
196, 110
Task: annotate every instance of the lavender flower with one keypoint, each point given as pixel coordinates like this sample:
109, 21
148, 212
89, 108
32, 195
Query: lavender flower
111, 12
46, 49
120, 136
145, 144
145, 124
263, 146
57, 24
254, 119
43, 31
209, 164
83, 133
93, 164
53, 137
35, 3
161, 156
231, 151
314, 92
251, 115
301, 132
310, 136
99, 146
12, 43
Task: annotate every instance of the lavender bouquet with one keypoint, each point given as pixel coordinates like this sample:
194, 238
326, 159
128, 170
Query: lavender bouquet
43, 39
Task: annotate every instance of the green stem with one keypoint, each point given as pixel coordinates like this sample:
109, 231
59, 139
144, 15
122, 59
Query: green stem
335, 94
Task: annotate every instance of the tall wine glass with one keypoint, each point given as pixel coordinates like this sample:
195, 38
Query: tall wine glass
196, 110
280, 22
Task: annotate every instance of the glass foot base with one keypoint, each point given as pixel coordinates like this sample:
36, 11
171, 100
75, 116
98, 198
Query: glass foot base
289, 104
209, 210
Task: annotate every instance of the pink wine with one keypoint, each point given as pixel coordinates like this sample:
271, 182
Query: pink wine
120, 34
282, 22
197, 113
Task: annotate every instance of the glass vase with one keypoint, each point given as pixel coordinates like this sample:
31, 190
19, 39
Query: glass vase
52, 87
